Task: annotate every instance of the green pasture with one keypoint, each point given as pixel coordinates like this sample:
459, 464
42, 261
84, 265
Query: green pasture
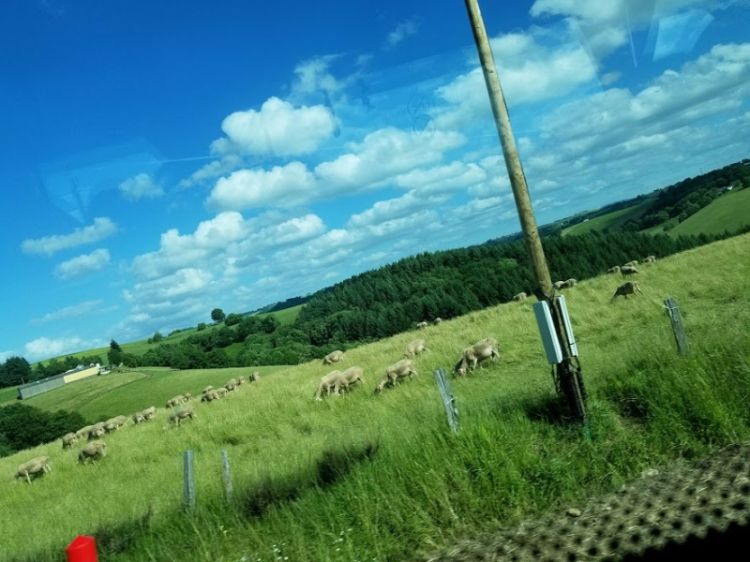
729, 212
381, 478
608, 220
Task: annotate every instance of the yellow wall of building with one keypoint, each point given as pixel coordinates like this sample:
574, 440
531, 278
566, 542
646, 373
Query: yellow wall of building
85, 373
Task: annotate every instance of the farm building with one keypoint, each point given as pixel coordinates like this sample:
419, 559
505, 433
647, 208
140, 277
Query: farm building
44, 385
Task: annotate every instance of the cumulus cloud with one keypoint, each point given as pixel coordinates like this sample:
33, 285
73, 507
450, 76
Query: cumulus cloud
403, 30
385, 153
281, 186
711, 84
530, 72
101, 228
277, 129
80, 309
141, 186
391, 209
44, 348
83, 264
442, 179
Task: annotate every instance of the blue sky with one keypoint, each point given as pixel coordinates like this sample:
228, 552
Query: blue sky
160, 159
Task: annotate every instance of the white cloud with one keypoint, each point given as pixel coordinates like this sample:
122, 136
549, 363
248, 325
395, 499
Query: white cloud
314, 75
141, 186
293, 230
716, 81
282, 186
385, 153
80, 309
404, 29
391, 209
277, 129
177, 251
442, 179
228, 163
83, 264
43, 348
49, 245
529, 70
183, 282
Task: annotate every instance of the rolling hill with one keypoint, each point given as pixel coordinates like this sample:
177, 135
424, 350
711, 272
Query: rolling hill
364, 477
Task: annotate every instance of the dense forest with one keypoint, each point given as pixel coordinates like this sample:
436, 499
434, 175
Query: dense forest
391, 299
23, 427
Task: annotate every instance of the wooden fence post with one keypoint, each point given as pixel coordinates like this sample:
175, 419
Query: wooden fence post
448, 400
226, 475
189, 484
673, 311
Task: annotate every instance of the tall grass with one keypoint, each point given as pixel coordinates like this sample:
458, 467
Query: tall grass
367, 477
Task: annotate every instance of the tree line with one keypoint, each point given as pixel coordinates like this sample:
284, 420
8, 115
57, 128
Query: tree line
391, 299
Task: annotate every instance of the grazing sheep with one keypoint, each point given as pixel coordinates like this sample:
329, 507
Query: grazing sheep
570, 283
472, 356
558, 285
399, 370
113, 424
175, 401
221, 392
614, 269
231, 385
327, 382
93, 451
210, 396
68, 440
84, 431
348, 378
632, 262
148, 413
38, 466
209, 388
629, 270
520, 297
437, 320
138, 418
96, 431
179, 415
422, 324
627, 288
333, 357
649, 259
187, 397
255, 377
415, 348
241, 380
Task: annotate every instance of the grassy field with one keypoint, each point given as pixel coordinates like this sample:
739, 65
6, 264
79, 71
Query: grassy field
8, 394
285, 316
103, 397
139, 347
608, 220
729, 212
366, 477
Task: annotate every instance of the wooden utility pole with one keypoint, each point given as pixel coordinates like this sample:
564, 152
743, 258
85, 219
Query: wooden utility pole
568, 380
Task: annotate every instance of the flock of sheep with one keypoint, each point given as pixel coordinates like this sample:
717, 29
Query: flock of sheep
336, 382
96, 449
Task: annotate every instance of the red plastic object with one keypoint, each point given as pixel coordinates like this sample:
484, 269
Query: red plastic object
82, 549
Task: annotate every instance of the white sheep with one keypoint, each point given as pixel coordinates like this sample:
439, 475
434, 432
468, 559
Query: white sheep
93, 451
38, 466
414, 348
475, 354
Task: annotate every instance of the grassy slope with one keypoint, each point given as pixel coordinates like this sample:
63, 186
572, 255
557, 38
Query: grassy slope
608, 220
424, 487
139, 347
107, 396
729, 212
8, 394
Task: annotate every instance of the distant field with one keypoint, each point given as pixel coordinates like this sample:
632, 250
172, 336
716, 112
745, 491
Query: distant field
608, 220
7, 394
124, 393
285, 316
728, 212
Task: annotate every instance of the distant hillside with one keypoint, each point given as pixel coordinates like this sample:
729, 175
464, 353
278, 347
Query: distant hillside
666, 208
730, 212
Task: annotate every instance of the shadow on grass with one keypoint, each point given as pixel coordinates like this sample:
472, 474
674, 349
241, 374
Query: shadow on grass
333, 465
549, 409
